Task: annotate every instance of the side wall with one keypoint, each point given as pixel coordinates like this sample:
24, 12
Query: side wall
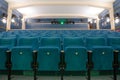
3, 13
104, 14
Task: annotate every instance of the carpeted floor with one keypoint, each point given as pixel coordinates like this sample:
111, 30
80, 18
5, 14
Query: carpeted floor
4, 77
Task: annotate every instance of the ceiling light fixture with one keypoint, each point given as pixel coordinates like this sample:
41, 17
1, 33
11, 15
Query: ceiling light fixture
117, 20
4, 20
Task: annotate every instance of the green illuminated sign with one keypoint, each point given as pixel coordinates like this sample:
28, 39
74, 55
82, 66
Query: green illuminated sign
61, 22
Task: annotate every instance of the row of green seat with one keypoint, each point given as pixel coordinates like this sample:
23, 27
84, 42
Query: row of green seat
49, 52
56, 52
59, 33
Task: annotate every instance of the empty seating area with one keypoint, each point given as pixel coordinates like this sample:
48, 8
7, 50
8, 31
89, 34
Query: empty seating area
60, 39
60, 50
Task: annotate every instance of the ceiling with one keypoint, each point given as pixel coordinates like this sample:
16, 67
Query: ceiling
60, 8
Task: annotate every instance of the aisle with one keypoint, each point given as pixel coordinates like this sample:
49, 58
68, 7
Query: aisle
4, 77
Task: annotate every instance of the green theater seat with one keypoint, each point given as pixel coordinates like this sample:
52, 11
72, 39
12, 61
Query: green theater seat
22, 54
49, 54
76, 58
95, 41
75, 54
29, 41
48, 58
102, 57
22, 58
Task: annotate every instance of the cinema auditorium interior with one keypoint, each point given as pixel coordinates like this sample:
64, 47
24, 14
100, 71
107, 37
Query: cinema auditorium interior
59, 39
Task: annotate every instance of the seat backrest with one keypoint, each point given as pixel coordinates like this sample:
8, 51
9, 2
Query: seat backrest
8, 42
113, 41
28, 41
95, 41
50, 42
73, 41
